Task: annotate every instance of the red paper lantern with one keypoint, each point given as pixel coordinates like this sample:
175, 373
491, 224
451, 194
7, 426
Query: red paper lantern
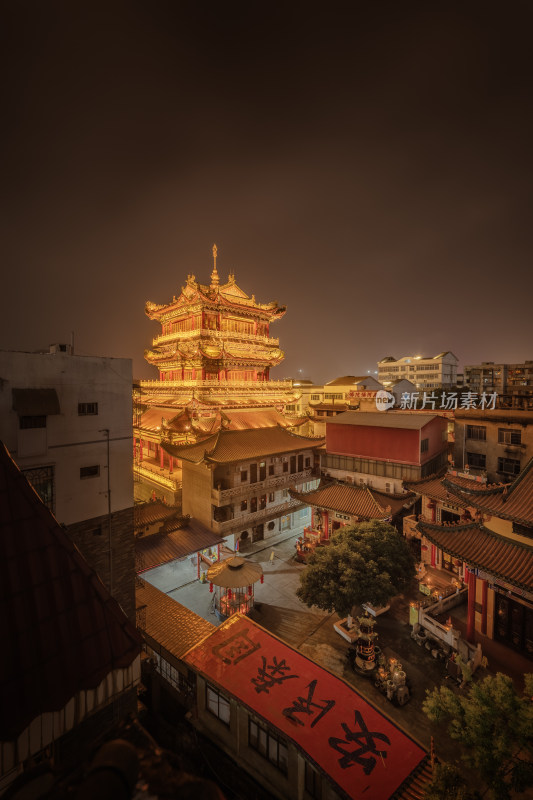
229, 594
262, 578
210, 587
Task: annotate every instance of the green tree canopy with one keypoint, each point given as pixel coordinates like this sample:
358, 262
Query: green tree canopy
496, 726
369, 563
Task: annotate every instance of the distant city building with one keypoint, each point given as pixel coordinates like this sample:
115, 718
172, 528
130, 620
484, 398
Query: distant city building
512, 382
66, 420
383, 448
425, 372
496, 443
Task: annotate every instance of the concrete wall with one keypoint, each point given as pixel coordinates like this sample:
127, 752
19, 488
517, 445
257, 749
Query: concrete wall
492, 421
70, 441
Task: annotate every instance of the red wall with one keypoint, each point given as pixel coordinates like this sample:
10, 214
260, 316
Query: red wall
387, 444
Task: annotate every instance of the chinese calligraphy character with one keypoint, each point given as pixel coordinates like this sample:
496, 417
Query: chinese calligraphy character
271, 674
408, 399
489, 400
468, 399
449, 403
235, 648
429, 398
364, 740
303, 705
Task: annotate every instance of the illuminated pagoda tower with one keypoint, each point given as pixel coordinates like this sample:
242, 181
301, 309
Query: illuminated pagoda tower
214, 356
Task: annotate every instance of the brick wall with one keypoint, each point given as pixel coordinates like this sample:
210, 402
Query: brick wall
92, 537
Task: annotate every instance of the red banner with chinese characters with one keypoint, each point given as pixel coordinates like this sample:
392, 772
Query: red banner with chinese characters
360, 749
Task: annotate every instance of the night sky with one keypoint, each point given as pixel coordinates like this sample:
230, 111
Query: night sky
366, 164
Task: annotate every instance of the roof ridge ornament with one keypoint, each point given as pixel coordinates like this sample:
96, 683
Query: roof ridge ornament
215, 280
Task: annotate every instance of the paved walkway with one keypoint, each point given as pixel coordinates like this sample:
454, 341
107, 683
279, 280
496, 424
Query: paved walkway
311, 631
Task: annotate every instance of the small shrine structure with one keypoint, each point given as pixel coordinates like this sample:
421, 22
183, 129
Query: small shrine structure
233, 582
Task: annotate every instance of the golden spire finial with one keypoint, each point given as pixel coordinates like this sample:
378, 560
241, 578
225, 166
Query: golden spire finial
214, 275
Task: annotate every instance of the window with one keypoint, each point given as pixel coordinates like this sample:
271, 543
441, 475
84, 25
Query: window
478, 432
509, 436
36, 421
244, 475
509, 466
271, 497
271, 469
253, 505
217, 704
424, 445
90, 472
290, 408
312, 781
286, 466
244, 505
307, 463
262, 501
87, 409
315, 397
42, 480
268, 745
476, 460
284, 493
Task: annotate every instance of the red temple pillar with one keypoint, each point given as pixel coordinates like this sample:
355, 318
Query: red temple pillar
470, 621
140, 449
433, 556
325, 532
198, 564
218, 552
484, 597
170, 464
162, 457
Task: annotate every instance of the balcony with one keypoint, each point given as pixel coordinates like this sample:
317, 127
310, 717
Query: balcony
252, 518
215, 384
199, 333
223, 496
156, 477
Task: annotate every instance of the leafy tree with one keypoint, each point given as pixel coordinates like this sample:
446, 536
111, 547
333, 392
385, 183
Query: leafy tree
496, 725
369, 563
447, 783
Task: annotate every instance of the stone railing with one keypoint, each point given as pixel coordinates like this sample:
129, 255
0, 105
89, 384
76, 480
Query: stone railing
162, 480
208, 334
223, 496
252, 518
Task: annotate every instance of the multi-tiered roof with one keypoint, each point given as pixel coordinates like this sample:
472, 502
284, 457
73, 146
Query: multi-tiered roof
214, 333
214, 356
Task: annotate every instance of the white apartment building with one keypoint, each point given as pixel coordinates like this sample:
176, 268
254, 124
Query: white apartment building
434, 372
67, 422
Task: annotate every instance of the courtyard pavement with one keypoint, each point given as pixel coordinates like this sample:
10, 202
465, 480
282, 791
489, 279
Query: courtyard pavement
311, 631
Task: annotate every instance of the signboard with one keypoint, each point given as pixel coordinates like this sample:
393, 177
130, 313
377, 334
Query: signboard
362, 751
